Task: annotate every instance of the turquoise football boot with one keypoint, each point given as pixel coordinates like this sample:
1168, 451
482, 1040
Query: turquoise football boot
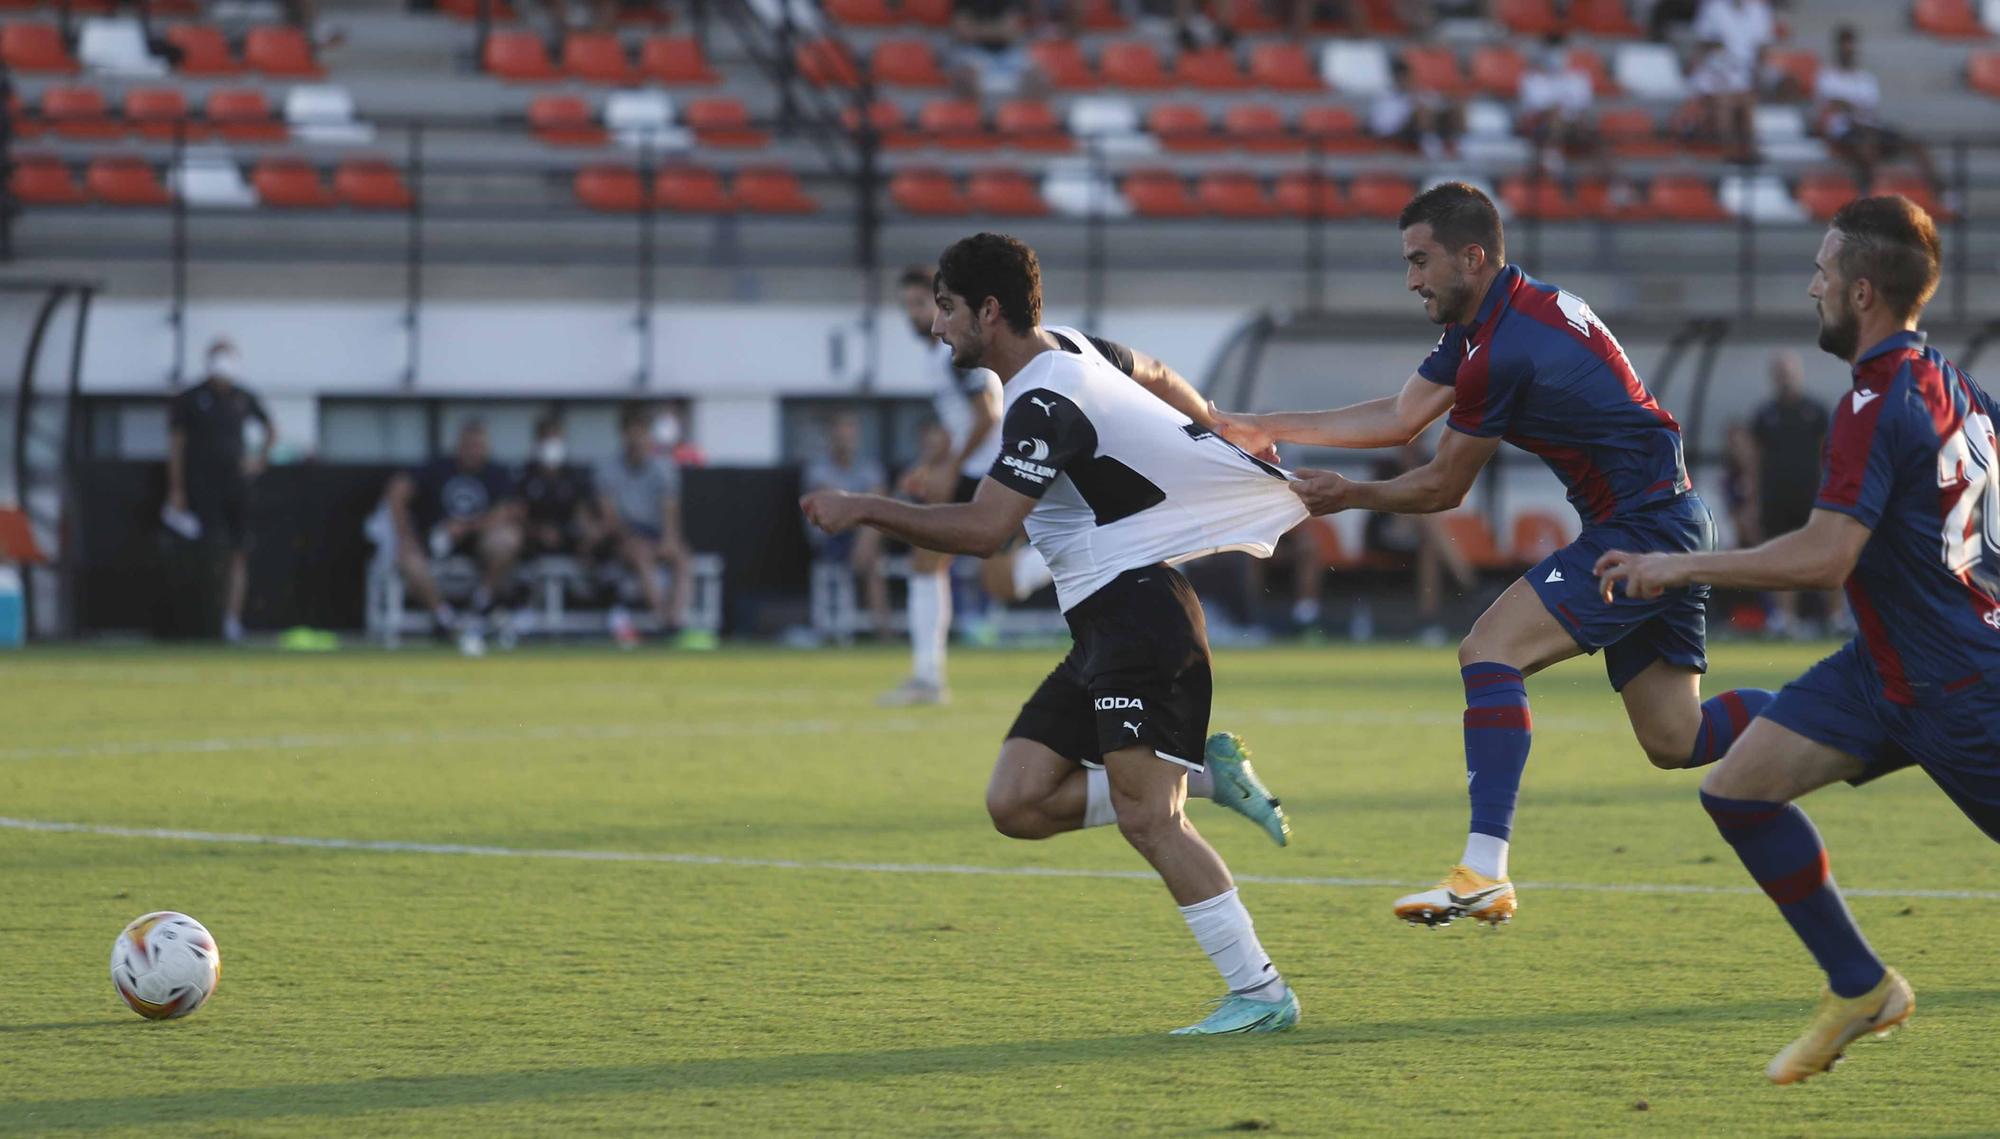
1235, 1015
1237, 786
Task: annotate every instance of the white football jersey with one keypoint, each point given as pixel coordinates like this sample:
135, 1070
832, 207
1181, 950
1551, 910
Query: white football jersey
953, 390
1123, 479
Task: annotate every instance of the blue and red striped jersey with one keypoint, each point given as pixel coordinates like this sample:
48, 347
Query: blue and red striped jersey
1537, 368
1911, 456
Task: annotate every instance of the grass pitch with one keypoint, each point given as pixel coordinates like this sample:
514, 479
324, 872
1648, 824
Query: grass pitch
390, 990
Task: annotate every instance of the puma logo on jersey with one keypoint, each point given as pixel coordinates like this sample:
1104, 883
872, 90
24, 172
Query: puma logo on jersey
1133, 728
1035, 449
1048, 406
1862, 399
1555, 575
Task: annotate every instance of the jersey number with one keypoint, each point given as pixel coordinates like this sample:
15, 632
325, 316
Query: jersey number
1581, 318
1972, 529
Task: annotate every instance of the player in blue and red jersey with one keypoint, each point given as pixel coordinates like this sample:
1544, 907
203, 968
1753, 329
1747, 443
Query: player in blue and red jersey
1526, 363
1908, 517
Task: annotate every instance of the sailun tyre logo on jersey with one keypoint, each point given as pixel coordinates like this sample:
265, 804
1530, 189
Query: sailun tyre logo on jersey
1035, 449
1033, 472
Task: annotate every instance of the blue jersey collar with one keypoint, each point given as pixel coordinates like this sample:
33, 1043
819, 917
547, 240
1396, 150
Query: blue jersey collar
1898, 342
1496, 294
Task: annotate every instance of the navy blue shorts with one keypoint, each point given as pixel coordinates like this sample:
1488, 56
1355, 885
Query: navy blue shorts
1672, 627
1954, 736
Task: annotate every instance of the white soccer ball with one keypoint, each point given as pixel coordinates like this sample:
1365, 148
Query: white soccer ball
165, 965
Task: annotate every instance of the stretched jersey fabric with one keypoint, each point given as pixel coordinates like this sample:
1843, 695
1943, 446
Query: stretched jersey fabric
1912, 456
952, 392
1124, 480
1537, 368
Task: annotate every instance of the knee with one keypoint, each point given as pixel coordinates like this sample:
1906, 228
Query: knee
1014, 817
1663, 751
1148, 826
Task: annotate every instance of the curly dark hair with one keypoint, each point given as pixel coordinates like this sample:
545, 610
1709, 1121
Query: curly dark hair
995, 265
1459, 215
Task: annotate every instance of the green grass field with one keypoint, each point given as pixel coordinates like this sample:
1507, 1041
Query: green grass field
384, 992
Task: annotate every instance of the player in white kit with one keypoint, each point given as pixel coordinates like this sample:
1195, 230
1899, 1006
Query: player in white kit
1116, 482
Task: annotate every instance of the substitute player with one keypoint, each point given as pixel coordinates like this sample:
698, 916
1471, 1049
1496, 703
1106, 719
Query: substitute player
1526, 363
1114, 485
1908, 517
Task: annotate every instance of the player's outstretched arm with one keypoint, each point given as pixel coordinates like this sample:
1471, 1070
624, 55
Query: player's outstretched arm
1819, 556
1440, 484
1387, 422
979, 528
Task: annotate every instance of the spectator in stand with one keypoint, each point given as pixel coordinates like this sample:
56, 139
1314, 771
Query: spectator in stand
842, 467
1788, 434
1555, 108
559, 504
991, 59
467, 505
208, 477
1739, 483
1418, 542
640, 501
1725, 73
1848, 103
1665, 17
1421, 120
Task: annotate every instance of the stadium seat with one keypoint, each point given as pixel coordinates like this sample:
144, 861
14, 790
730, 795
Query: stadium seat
1103, 16
282, 52
1063, 64
1597, 200
1133, 64
125, 181
1005, 193
1355, 67
860, 13
1160, 194
1333, 129
1030, 124
1949, 19
691, 190
370, 184
1248, 18
79, 112
955, 124
772, 190
1434, 69
1468, 530
890, 123
117, 47
1381, 195
203, 50
642, 119
1684, 197
597, 57
565, 120
1497, 70
611, 189
241, 114
723, 122
1983, 72
1527, 17
1211, 69
1104, 117
1260, 129
1382, 19
1536, 535
1606, 19
1283, 67
1183, 127
1650, 71
929, 13
676, 61
161, 114
1799, 68
26, 125
518, 56
500, 10
827, 63
210, 178
1588, 61
907, 63
1632, 133
1760, 197
932, 193
1232, 194
1306, 194
1913, 187
1823, 193
1539, 199
36, 49
40, 180
290, 183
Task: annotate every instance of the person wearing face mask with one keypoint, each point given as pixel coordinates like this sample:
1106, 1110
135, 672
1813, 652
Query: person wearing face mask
559, 499
639, 494
209, 474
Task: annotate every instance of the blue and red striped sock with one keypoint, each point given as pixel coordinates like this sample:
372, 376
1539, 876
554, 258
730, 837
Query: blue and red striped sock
1498, 730
1723, 718
1782, 851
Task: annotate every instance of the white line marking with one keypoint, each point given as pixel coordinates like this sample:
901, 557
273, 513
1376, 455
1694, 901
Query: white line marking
387, 846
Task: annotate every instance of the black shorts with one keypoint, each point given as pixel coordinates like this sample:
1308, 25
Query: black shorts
223, 505
968, 485
1138, 674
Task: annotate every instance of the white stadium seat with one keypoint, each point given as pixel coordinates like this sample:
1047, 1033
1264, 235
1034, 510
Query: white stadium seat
117, 47
324, 113
1761, 197
1076, 189
643, 119
1649, 71
209, 176
1355, 67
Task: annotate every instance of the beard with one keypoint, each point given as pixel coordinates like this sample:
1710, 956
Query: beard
1454, 303
968, 355
1839, 334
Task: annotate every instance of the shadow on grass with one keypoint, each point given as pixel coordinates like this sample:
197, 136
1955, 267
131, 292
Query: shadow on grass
354, 1097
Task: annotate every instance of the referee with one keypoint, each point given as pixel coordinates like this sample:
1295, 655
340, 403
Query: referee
208, 478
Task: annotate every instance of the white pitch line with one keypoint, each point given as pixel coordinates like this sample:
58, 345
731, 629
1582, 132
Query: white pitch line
389, 846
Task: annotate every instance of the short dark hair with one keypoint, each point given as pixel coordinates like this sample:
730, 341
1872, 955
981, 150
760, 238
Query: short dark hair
635, 415
547, 424
1893, 244
1845, 32
1459, 215
995, 265
916, 277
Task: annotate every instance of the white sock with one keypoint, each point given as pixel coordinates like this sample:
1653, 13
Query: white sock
1030, 571
1097, 808
1201, 785
1486, 855
930, 625
1222, 927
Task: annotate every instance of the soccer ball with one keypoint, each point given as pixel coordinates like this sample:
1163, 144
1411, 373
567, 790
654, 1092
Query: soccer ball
165, 965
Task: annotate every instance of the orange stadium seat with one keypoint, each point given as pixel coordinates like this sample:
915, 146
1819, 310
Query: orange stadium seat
1334, 129
907, 63
597, 57
281, 51
1542, 199
691, 190
890, 123
203, 50
290, 183
1259, 128
1684, 197
1823, 193
860, 13
1160, 194
723, 122
1284, 67
1380, 18
1211, 69
1497, 70
1983, 72
929, 192
1632, 133
518, 56
469, 9
36, 49
1134, 64
1103, 16
1435, 69
1595, 199
44, 181
929, 13
160, 114
1005, 193
827, 63
241, 114
1381, 195
1591, 63
1063, 64
1234, 195
1527, 17
1306, 194
1949, 19
370, 184
772, 190
1469, 531
1183, 127
1248, 18
80, 113
677, 61
955, 124
1913, 187
125, 181
1799, 67
565, 120
1537, 534
613, 189
1608, 19
1030, 124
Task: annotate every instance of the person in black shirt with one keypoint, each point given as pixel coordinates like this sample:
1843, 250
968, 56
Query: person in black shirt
208, 477
464, 504
1788, 434
558, 498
